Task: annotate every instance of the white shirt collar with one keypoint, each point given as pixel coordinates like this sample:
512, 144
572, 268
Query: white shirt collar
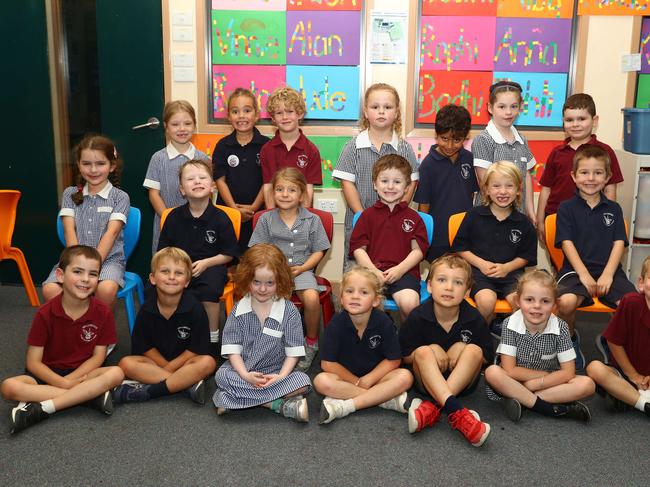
277, 309
496, 135
103, 193
363, 140
516, 324
172, 152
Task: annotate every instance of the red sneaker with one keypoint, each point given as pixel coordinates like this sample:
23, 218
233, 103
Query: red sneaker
422, 414
472, 428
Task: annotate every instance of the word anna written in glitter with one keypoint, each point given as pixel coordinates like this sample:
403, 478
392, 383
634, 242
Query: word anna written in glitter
531, 50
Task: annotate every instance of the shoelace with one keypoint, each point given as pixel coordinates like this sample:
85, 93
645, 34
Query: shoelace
427, 414
464, 421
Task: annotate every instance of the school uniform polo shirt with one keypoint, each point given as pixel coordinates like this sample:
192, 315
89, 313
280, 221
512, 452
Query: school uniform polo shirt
201, 237
592, 231
341, 342
303, 155
447, 187
422, 328
387, 235
497, 241
240, 164
68, 343
557, 172
630, 328
186, 329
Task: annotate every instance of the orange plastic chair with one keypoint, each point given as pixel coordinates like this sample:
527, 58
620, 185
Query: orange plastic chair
501, 306
557, 259
228, 296
8, 204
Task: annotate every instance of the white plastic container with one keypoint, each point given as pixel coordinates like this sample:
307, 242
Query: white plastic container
642, 222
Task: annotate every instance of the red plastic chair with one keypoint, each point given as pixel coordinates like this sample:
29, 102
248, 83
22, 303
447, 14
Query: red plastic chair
326, 303
8, 204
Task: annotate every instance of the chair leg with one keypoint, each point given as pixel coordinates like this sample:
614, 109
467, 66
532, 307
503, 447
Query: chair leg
129, 304
327, 307
17, 255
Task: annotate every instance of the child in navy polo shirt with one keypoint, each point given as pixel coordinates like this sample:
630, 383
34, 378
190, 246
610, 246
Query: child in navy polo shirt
171, 338
206, 234
390, 238
625, 381
446, 342
496, 239
591, 233
236, 162
447, 178
67, 347
360, 355
289, 147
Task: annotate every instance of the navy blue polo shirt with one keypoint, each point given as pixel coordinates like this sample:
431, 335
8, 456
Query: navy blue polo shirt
497, 241
422, 328
205, 236
447, 187
341, 342
592, 231
240, 164
186, 329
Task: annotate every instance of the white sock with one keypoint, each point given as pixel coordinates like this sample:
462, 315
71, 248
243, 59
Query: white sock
48, 406
214, 336
640, 404
348, 406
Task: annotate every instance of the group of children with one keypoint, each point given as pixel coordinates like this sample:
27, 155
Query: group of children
443, 342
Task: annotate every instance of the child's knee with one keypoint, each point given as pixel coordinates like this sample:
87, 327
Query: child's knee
404, 378
207, 364
114, 376
585, 385
567, 303
9, 389
424, 354
596, 370
472, 352
494, 374
127, 365
323, 383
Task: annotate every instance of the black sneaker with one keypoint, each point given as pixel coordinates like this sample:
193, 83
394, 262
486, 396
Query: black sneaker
613, 404
512, 408
197, 392
580, 357
25, 415
131, 391
646, 409
496, 327
103, 403
603, 347
577, 410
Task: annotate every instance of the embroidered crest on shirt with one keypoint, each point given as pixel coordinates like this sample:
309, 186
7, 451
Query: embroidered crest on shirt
210, 236
515, 235
408, 225
464, 171
88, 332
466, 336
608, 219
374, 341
257, 159
233, 160
302, 161
183, 332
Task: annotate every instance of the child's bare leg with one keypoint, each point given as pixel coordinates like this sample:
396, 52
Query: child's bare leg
311, 302
107, 292
465, 361
577, 388
485, 301
407, 300
195, 369
606, 377
25, 388
212, 310
512, 301
98, 381
505, 385
51, 290
427, 371
567, 304
143, 369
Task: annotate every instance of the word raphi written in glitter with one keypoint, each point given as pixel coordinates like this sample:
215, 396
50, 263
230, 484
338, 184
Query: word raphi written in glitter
318, 46
446, 53
239, 38
473, 103
544, 54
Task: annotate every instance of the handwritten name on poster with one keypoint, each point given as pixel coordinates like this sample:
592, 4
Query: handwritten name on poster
645, 46
459, 7
248, 4
614, 7
552, 9
324, 4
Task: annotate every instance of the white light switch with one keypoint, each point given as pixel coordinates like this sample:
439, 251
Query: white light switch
185, 59
184, 74
182, 34
181, 18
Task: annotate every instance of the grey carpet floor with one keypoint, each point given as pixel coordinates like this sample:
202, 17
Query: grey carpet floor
175, 442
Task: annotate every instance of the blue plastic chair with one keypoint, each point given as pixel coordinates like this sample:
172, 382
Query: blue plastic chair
389, 304
132, 281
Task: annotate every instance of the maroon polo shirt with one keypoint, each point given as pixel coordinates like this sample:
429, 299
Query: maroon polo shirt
304, 156
387, 235
557, 172
68, 343
630, 328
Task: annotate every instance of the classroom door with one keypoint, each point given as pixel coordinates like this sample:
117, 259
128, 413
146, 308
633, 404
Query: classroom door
130, 65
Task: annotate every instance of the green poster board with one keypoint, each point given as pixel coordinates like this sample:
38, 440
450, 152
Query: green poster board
330, 148
643, 91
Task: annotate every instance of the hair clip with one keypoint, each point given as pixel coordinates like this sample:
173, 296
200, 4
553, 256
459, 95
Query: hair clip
505, 84
115, 152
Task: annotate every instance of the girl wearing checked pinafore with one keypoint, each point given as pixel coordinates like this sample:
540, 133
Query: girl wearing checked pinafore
263, 341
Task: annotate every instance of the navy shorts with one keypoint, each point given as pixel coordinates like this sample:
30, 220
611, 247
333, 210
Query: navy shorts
501, 286
407, 281
436, 251
569, 283
61, 372
209, 285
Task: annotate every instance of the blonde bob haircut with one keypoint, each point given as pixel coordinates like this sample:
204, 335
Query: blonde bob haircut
373, 281
504, 169
259, 256
178, 256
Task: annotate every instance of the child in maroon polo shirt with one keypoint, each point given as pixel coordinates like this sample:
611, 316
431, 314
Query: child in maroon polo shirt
390, 238
289, 147
67, 347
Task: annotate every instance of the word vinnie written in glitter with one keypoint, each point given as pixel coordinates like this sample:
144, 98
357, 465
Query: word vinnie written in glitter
542, 106
463, 98
322, 100
317, 46
528, 48
446, 52
248, 45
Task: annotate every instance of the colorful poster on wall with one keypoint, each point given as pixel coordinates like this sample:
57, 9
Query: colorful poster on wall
330, 148
248, 37
206, 142
536, 45
614, 7
324, 4
324, 38
457, 43
644, 47
459, 7
248, 4
330, 92
643, 91
540, 94
465, 88
550, 9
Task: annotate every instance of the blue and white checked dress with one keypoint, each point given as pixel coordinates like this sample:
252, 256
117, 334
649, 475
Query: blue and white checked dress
263, 348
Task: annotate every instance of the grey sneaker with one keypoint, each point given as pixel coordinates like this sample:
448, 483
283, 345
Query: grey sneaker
131, 391
512, 408
306, 361
103, 403
330, 410
25, 415
295, 408
197, 392
398, 403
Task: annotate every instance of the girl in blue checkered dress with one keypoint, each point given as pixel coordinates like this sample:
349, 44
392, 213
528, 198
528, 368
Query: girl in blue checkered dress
263, 340
94, 213
537, 369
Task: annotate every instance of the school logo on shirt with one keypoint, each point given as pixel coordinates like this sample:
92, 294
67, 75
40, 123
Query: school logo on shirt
210, 236
233, 160
374, 341
302, 161
408, 225
88, 332
608, 218
257, 159
183, 332
464, 171
515, 235
466, 336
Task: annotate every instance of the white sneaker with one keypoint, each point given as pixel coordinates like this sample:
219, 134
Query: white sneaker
295, 408
398, 403
331, 409
306, 361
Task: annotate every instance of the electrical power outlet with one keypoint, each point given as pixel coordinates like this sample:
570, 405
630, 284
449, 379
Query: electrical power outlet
331, 206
